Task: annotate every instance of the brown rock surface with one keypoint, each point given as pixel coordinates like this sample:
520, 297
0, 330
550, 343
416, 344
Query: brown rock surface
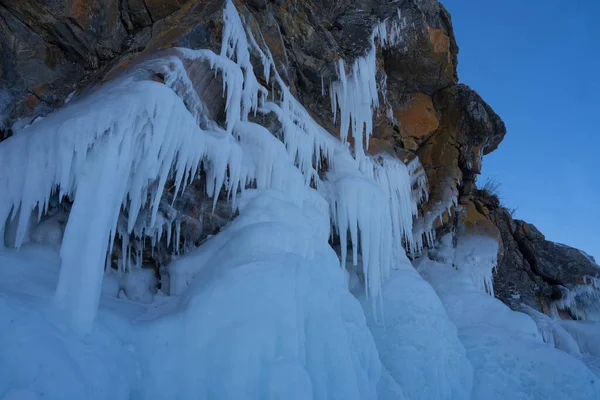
417, 118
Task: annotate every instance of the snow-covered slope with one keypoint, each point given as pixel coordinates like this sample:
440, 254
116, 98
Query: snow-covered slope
269, 316
509, 357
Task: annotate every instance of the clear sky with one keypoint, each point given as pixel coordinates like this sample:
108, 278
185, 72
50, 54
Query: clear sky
537, 63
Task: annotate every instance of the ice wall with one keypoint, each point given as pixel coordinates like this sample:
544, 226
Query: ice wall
115, 149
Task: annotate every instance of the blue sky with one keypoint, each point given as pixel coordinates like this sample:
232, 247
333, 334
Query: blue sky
537, 63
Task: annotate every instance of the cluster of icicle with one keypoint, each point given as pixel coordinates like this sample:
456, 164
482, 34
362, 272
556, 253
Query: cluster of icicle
117, 148
582, 301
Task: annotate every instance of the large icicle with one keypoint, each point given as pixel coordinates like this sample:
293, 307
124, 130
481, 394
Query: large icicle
359, 205
356, 96
395, 179
235, 45
129, 136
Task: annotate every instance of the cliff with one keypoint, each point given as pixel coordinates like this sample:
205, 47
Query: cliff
52, 51
267, 200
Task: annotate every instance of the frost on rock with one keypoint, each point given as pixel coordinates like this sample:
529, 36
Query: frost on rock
424, 227
477, 256
390, 32
582, 301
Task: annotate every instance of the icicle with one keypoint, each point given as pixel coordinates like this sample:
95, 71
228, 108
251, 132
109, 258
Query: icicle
235, 45
133, 136
394, 177
233, 81
356, 96
582, 301
272, 166
136, 146
124, 266
359, 205
177, 235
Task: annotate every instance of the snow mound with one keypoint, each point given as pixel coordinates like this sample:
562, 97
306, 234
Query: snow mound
477, 256
585, 333
42, 358
268, 316
418, 344
509, 358
552, 332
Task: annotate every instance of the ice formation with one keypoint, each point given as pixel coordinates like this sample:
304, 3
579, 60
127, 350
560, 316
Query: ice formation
582, 301
134, 135
270, 317
108, 164
585, 334
262, 310
552, 332
357, 95
418, 344
505, 348
477, 256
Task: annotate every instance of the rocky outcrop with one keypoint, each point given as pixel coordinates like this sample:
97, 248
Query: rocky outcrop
533, 270
452, 156
52, 49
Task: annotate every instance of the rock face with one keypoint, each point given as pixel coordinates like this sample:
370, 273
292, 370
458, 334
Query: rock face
532, 270
51, 49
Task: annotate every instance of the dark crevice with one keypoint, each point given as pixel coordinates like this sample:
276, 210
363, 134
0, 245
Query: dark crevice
148, 11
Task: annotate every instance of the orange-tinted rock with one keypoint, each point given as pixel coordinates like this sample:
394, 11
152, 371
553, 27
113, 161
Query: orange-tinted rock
383, 128
32, 101
377, 146
426, 61
409, 143
417, 118
475, 223
440, 41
